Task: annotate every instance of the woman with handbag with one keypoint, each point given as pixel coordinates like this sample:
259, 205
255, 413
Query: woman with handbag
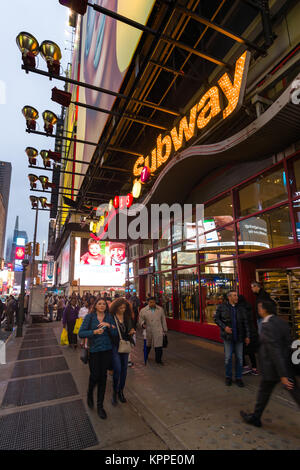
98, 327
121, 312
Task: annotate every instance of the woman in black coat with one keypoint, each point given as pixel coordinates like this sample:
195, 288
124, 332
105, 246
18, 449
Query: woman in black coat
253, 346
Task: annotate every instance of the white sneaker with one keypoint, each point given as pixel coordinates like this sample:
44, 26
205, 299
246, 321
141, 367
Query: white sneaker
246, 370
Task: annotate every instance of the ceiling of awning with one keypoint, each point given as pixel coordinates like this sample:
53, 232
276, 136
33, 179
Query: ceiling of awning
171, 73
270, 133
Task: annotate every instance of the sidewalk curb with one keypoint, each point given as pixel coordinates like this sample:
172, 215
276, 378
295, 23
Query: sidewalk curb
154, 422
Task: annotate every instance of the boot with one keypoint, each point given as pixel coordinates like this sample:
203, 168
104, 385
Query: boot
121, 397
114, 400
101, 412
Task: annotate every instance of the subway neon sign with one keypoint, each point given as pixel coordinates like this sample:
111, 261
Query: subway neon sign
200, 115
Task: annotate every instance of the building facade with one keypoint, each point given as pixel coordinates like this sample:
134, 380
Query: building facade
5, 178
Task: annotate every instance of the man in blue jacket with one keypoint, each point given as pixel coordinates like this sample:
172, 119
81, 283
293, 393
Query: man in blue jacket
231, 319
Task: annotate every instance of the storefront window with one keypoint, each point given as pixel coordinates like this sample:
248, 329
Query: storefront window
217, 280
146, 247
265, 191
268, 230
217, 243
296, 205
187, 294
163, 292
165, 238
297, 176
220, 211
162, 260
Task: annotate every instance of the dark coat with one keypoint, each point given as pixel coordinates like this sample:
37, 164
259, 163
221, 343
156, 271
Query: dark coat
223, 319
262, 296
274, 350
254, 339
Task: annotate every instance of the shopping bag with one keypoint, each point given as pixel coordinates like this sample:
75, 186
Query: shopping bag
77, 325
64, 338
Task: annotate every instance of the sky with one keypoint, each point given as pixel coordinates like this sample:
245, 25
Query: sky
45, 19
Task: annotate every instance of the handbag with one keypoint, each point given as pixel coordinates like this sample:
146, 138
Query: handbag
77, 325
64, 338
85, 352
165, 341
124, 346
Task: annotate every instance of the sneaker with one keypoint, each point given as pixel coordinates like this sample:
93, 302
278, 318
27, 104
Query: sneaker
254, 372
246, 370
240, 383
251, 419
228, 381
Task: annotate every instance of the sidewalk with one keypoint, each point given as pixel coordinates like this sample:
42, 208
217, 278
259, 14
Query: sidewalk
182, 405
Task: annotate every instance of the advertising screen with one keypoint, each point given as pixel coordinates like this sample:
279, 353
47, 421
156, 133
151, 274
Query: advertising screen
99, 263
20, 252
65, 263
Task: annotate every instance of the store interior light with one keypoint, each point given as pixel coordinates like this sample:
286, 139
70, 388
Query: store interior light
50, 119
31, 115
51, 53
29, 47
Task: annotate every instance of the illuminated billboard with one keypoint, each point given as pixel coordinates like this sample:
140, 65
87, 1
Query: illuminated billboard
20, 252
99, 263
107, 47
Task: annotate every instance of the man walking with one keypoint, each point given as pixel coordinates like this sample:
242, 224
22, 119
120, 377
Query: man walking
50, 307
152, 318
261, 295
231, 319
10, 312
274, 355
136, 303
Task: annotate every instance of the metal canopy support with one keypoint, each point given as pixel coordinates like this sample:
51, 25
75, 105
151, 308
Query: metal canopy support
101, 90
97, 178
55, 136
175, 72
219, 29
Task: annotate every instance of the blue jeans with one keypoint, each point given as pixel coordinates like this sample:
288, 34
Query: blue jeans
237, 349
120, 363
51, 313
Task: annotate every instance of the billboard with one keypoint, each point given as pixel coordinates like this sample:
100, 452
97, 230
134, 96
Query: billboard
106, 50
99, 263
65, 263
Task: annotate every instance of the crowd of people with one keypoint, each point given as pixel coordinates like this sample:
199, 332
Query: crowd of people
9, 311
108, 333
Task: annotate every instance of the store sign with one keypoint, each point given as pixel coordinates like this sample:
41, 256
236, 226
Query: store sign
205, 111
145, 271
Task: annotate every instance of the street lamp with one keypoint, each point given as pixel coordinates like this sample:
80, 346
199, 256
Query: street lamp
31, 153
31, 115
51, 53
29, 47
50, 119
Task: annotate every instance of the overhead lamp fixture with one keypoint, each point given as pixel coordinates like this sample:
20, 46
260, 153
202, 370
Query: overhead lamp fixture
46, 159
31, 154
50, 119
44, 202
61, 97
31, 115
56, 156
34, 201
51, 53
78, 6
29, 47
32, 179
45, 181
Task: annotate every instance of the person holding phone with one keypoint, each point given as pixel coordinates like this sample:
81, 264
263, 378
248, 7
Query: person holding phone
98, 327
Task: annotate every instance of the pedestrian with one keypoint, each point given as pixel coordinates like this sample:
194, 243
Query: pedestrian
121, 312
26, 304
96, 327
274, 359
10, 312
153, 319
261, 295
60, 308
51, 307
231, 319
70, 316
136, 303
253, 346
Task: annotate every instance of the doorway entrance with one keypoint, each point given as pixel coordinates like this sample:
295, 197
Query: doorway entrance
283, 285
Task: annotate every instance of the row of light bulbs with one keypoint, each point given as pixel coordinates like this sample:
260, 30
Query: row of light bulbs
35, 200
46, 155
31, 115
43, 179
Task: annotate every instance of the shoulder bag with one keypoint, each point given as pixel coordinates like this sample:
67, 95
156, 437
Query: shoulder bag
124, 346
84, 355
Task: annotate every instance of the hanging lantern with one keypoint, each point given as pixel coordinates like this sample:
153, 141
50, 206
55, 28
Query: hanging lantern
145, 175
136, 189
116, 202
129, 200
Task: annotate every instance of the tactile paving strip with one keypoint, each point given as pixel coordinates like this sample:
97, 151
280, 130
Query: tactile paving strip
59, 427
39, 366
50, 387
39, 352
38, 343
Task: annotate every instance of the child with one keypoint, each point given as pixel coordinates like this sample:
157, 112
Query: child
93, 256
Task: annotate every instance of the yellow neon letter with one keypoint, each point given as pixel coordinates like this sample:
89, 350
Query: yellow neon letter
184, 128
159, 147
232, 92
210, 109
138, 166
153, 161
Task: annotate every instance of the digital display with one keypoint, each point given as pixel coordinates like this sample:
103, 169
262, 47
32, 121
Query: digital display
20, 252
99, 263
20, 242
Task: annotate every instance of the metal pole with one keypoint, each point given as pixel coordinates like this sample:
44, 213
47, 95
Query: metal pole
34, 244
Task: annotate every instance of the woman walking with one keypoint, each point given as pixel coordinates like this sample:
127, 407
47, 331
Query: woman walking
70, 316
96, 326
121, 311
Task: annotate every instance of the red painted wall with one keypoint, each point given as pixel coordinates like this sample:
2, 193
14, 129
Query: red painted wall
203, 330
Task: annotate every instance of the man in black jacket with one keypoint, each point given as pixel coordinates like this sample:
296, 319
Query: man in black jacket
261, 295
231, 319
274, 355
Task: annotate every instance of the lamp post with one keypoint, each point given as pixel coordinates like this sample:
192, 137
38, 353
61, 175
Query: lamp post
20, 318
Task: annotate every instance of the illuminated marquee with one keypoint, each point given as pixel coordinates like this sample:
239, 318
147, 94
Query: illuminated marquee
200, 115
